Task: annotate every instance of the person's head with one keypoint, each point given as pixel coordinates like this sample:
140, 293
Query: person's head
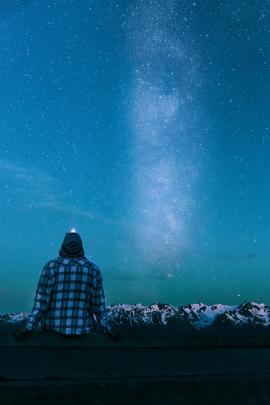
72, 245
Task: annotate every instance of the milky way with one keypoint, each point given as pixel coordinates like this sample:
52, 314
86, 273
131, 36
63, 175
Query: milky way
164, 118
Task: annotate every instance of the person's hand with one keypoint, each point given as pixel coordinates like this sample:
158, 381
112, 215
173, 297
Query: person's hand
22, 332
113, 335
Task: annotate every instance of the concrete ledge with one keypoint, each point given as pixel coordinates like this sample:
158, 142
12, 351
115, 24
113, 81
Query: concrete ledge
146, 368
48, 368
98, 340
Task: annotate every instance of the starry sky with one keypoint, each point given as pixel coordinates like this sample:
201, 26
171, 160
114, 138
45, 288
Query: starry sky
145, 125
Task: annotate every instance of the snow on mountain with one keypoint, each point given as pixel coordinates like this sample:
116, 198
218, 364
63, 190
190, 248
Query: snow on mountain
14, 317
191, 317
247, 314
201, 315
139, 315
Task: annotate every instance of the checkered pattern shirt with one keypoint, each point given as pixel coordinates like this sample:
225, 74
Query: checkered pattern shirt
69, 298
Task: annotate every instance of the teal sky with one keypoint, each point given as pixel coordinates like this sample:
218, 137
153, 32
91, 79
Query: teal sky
145, 125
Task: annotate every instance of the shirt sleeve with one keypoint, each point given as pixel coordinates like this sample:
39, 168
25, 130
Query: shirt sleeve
42, 298
98, 303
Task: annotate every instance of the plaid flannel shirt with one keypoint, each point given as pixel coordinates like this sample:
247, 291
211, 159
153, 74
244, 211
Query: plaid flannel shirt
69, 298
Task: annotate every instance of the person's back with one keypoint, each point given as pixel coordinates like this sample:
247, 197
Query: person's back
70, 294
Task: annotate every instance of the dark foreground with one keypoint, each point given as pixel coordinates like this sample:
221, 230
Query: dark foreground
151, 370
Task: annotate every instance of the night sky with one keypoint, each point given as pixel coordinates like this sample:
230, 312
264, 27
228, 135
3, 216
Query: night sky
145, 125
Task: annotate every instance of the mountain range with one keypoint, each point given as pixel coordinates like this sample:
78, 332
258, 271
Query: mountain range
246, 318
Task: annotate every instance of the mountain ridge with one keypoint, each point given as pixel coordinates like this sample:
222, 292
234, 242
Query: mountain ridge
192, 318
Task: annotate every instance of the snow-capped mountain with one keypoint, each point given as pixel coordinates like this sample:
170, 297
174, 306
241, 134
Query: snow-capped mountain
202, 316
249, 317
156, 317
193, 318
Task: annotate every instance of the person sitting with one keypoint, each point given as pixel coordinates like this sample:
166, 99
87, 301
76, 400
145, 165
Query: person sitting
69, 295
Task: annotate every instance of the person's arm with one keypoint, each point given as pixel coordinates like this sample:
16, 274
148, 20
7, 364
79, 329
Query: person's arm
98, 303
42, 298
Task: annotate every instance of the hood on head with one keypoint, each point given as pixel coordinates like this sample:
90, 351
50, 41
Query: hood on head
72, 245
